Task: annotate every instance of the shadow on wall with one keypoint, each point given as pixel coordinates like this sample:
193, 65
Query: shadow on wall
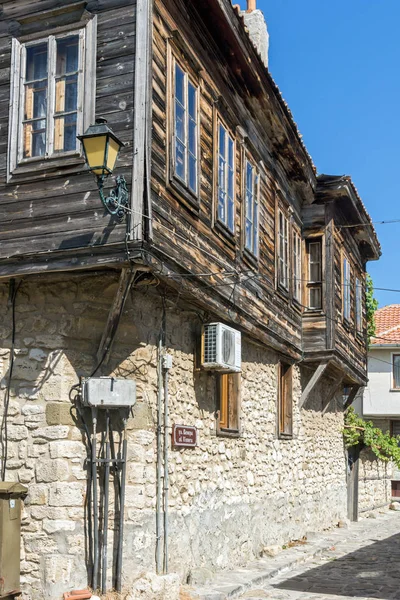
370, 572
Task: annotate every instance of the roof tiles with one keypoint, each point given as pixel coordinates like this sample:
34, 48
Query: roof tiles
387, 320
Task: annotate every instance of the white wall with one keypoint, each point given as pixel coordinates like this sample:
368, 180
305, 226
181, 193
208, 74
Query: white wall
379, 398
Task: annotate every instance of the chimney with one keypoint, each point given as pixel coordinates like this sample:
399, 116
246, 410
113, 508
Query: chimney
258, 33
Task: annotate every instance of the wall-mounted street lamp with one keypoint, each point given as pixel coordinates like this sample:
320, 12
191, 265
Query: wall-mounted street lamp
101, 147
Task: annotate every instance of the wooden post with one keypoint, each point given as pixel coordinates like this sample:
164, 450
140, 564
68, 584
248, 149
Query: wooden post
353, 463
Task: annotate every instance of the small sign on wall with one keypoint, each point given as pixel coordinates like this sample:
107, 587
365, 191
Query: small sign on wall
184, 436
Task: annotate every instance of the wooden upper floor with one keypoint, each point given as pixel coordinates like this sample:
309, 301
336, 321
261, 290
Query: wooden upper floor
225, 204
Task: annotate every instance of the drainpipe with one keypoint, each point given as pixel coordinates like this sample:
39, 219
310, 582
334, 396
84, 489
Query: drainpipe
167, 365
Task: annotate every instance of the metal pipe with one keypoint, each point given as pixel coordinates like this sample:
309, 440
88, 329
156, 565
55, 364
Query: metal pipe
105, 515
159, 460
121, 512
166, 478
95, 505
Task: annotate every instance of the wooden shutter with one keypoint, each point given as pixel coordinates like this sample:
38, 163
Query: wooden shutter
285, 399
229, 401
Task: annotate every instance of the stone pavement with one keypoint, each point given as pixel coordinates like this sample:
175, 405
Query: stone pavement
361, 561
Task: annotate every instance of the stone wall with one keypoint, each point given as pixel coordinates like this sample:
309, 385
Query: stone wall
374, 485
228, 497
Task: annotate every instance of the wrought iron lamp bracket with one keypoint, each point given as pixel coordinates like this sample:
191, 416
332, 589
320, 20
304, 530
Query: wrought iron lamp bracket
117, 201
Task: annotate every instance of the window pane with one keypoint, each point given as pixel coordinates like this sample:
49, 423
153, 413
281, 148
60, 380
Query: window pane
36, 62
180, 159
67, 55
192, 101
248, 234
396, 370
65, 133
192, 173
180, 122
315, 297
179, 85
255, 230
221, 143
192, 137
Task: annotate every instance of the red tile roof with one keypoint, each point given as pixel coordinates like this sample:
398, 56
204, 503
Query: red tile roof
387, 321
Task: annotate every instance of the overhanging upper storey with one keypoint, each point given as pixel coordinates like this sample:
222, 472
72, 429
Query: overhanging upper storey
350, 212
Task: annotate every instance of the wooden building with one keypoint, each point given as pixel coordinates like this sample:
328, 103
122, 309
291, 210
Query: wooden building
226, 211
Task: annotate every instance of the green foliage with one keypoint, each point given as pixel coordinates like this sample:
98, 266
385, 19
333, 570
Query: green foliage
357, 431
371, 305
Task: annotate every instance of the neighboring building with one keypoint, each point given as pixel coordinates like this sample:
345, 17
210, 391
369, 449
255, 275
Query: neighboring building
228, 223
380, 401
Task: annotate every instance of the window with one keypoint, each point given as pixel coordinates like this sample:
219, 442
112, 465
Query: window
283, 251
296, 266
314, 283
358, 305
229, 403
251, 186
185, 143
285, 399
52, 97
395, 428
226, 178
396, 371
346, 289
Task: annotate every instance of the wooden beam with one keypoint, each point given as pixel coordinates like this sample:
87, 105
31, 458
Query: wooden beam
141, 121
319, 371
351, 396
125, 279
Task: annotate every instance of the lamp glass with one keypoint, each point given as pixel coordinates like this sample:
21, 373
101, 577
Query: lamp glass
95, 150
113, 150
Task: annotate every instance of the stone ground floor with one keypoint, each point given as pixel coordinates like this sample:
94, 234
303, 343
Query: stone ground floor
358, 561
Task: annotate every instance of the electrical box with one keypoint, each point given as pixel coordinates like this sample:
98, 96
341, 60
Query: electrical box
11, 495
108, 392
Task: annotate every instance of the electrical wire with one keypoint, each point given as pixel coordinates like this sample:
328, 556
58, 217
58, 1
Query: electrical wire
4, 423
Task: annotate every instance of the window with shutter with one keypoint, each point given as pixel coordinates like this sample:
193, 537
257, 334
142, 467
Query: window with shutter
285, 400
396, 371
346, 289
228, 414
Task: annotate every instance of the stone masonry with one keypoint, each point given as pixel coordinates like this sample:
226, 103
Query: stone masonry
228, 497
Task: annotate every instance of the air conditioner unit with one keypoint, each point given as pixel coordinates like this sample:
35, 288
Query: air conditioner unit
221, 348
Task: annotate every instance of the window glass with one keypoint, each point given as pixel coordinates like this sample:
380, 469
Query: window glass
346, 289
296, 266
358, 305
396, 371
35, 110
66, 98
185, 124
314, 283
251, 224
283, 251
225, 178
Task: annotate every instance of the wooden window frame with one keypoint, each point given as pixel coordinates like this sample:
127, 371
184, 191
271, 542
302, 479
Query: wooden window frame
359, 305
19, 168
317, 284
284, 261
254, 250
220, 222
346, 289
393, 387
229, 404
285, 400
179, 54
297, 266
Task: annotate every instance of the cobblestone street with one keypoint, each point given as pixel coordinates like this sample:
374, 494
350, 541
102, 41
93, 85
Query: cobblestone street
364, 565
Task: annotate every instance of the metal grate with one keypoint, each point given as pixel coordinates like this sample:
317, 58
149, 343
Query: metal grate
210, 343
228, 347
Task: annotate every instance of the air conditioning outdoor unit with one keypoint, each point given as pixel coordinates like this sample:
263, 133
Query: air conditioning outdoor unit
221, 348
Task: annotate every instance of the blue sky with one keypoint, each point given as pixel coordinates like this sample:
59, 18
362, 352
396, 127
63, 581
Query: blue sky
337, 64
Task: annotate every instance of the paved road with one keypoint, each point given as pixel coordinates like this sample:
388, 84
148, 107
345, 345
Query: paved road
365, 565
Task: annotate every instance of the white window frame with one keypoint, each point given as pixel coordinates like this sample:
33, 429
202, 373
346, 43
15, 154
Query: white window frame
346, 289
251, 219
297, 281
283, 250
229, 203
314, 284
187, 78
359, 305
85, 101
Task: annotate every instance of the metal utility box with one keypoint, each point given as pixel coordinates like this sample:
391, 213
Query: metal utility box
108, 392
10, 537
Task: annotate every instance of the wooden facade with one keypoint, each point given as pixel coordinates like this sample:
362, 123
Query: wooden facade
52, 219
